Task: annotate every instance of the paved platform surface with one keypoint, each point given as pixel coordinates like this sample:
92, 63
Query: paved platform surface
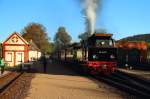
63, 83
139, 73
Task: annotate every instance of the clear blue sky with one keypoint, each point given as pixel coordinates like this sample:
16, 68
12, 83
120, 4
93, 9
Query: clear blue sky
120, 17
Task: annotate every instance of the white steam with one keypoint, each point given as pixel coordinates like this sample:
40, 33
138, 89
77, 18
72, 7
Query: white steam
89, 10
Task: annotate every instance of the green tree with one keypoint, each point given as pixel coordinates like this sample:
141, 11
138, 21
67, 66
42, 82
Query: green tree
62, 38
37, 32
0, 50
84, 36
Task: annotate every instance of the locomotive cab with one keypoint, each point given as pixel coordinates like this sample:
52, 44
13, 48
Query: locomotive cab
101, 40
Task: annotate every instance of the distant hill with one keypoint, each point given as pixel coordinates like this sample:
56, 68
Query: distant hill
140, 37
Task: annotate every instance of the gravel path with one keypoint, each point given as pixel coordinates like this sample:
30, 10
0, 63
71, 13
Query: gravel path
62, 83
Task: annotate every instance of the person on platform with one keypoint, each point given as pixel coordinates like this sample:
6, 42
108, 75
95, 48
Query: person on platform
44, 61
2, 65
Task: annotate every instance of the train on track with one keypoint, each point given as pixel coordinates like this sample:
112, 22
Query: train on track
133, 54
96, 54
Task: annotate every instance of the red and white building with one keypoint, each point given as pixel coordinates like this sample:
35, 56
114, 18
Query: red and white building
34, 51
15, 50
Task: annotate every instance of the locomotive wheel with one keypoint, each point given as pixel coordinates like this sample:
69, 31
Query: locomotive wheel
86, 70
113, 69
94, 72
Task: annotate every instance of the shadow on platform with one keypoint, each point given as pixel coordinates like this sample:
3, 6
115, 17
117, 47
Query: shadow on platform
53, 68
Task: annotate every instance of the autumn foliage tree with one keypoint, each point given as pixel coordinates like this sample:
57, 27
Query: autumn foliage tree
37, 32
62, 38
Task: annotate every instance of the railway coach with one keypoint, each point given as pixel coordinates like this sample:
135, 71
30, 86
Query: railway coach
132, 53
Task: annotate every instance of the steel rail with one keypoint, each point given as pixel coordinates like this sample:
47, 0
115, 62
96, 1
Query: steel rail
125, 85
10, 81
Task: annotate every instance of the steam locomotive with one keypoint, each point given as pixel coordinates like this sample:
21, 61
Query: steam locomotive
96, 54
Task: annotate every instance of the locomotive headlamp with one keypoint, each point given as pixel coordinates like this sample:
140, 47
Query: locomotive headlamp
104, 66
112, 56
94, 56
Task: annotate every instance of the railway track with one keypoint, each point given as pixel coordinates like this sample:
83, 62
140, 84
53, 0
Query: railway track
132, 85
141, 80
14, 85
8, 79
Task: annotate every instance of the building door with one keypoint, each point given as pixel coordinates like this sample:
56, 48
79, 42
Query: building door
19, 58
134, 56
9, 58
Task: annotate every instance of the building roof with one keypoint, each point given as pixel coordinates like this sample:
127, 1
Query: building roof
33, 46
102, 34
18, 37
141, 45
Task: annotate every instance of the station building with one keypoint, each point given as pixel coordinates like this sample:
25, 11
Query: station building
15, 50
34, 51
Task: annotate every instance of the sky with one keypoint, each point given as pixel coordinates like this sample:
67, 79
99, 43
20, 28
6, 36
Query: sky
122, 18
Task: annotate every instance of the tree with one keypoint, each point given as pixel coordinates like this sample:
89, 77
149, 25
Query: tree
62, 38
0, 50
84, 36
37, 32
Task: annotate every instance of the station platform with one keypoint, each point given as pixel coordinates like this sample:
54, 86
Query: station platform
5, 73
138, 73
60, 82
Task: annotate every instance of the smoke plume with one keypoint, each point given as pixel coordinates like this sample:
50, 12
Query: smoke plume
89, 10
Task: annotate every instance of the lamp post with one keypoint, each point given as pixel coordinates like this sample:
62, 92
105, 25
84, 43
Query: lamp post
21, 63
